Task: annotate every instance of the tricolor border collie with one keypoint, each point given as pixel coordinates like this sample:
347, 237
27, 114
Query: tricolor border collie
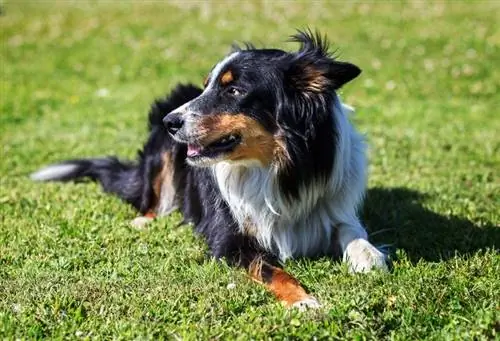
263, 162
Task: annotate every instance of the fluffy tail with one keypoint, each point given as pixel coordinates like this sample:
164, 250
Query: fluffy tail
120, 178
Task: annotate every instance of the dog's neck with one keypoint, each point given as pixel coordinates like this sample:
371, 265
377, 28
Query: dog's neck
297, 226
259, 207
251, 189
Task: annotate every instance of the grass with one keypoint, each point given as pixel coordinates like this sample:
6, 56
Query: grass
77, 79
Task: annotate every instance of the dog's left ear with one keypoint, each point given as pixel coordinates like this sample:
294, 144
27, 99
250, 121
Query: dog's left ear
312, 68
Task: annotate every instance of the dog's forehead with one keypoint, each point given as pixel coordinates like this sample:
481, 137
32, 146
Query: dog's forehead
221, 67
246, 60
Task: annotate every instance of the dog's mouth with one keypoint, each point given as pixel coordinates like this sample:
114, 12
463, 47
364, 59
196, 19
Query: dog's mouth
223, 145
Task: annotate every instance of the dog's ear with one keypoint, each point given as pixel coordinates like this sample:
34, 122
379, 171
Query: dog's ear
312, 69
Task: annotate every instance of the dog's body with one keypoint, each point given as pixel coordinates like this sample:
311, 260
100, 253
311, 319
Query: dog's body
263, 162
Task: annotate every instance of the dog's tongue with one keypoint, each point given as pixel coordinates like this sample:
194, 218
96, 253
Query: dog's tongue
193, 150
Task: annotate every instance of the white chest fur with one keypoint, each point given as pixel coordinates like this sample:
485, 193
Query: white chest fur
303, 227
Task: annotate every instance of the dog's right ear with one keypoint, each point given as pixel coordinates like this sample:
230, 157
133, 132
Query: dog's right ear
313, 69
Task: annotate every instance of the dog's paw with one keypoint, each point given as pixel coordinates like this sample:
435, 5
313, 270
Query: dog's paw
307, 303
361, 256
141, 222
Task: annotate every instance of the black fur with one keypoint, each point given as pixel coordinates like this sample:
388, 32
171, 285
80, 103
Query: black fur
277, 92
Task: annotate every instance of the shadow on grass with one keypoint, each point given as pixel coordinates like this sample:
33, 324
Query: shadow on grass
396, 216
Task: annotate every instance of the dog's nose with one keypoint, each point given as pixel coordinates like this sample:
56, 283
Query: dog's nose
173, 122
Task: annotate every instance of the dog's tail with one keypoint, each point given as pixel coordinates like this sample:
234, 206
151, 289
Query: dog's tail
130, 181
117, 177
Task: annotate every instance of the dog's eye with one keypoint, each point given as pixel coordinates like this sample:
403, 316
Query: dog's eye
234, 91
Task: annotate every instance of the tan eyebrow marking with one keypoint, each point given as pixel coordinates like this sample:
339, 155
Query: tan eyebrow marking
227, 77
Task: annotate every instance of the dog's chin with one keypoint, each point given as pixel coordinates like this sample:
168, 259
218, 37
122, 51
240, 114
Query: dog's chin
199, 155
204, 161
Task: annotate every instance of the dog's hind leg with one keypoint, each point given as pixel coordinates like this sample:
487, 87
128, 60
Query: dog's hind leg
141, 221
166, 186
164, 181
162, 161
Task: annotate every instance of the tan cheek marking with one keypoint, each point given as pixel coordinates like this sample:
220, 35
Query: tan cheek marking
286, 288
226, 78
258, 143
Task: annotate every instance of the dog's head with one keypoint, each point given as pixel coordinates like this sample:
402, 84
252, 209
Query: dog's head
263, 106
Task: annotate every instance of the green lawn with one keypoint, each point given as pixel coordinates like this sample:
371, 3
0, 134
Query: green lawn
77, 80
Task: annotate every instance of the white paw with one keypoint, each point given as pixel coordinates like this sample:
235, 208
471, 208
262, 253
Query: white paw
361, 256
140, 222
308, 303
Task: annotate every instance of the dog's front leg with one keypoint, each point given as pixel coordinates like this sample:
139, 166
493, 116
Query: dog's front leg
286, 288
358, 252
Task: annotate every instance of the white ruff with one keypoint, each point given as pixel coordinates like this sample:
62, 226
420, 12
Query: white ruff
305, 226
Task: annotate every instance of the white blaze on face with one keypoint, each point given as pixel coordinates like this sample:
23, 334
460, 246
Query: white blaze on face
215, 74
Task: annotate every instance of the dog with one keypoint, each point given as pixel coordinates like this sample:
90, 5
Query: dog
263, 162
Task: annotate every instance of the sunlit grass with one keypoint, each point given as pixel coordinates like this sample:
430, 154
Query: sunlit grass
77, 79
